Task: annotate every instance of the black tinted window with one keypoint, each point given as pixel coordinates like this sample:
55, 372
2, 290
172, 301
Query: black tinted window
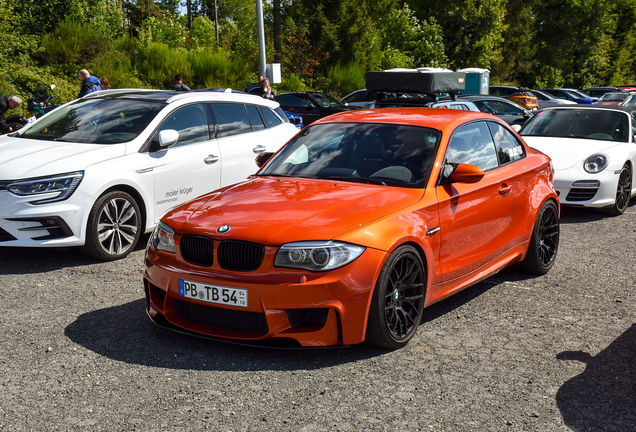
507, 146
232, 119
472, 144
271, 119
255, 118
291, 100
191, 123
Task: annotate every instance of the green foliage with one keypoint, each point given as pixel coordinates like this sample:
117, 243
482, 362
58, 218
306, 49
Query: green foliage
203, 34
169, 30
345, 78
72, 43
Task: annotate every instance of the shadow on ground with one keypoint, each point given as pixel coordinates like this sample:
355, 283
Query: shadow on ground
571, 215
125, 333
24, 260
603, 397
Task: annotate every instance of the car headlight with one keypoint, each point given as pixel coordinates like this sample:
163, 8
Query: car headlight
163, 238
317, 255
63, 184
596, 163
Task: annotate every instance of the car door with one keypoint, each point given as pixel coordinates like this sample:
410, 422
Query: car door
188, 168
474, 218
241, 135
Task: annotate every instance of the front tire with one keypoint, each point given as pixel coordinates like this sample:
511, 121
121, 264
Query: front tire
544, 243
623, 192
398, 300
114, 227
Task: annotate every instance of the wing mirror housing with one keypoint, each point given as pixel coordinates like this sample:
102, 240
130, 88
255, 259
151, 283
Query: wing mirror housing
516, 127
462, 173
168, 137
262, 158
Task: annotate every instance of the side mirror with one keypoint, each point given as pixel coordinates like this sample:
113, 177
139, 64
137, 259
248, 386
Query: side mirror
311, 105
516, 128
262, 158
168, 137
463, 173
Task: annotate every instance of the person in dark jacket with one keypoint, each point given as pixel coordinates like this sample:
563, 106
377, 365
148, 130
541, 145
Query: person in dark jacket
89, 83
179, 85
7, 103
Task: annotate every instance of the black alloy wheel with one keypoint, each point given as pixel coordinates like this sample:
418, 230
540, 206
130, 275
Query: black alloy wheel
398, 300
544, 243
623, 192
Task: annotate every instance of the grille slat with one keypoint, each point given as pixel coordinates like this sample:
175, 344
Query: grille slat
240, 256
581, 194
197, 250
222, 319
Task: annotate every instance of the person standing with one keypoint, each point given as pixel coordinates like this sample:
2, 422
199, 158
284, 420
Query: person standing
89, 83
179, 85
105, 85
266, 90
7, 103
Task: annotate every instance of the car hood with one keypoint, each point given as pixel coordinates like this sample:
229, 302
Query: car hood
272, 211
25, 158
568, 152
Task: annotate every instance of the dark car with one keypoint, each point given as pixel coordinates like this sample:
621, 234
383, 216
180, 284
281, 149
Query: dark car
569, 95
311, 106
422, 102
613, 98
519, 95
600, 91
509, 112
363, 97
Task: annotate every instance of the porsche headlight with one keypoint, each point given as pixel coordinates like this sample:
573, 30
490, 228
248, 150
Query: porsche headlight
596, 163
163, 238
317, 255
63, 184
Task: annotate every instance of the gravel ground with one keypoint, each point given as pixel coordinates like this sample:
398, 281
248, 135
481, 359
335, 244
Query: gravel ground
514, 353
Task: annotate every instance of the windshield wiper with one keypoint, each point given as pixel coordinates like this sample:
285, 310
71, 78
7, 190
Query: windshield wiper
353, 179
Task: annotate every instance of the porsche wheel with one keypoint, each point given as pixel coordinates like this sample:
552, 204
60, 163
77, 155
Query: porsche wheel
114, 227
623, 191
398, 300
544, 243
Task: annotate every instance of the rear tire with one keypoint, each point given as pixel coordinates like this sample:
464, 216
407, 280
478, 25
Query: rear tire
398, 300
544, 243
114, 227
623, 192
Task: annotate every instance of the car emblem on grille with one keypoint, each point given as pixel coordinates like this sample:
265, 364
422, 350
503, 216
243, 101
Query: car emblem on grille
223, 229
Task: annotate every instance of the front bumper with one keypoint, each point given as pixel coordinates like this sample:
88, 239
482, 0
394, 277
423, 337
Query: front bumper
603, 195
306, 308
47, 225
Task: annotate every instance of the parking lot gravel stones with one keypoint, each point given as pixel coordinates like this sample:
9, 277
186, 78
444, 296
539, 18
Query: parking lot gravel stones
513, 353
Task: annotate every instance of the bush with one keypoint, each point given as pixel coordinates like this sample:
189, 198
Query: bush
345, 79
73, 44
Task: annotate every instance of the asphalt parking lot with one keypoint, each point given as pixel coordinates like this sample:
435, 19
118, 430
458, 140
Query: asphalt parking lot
513, 353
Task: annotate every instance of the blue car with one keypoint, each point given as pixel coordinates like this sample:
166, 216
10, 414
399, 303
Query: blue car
295, 119
577, 97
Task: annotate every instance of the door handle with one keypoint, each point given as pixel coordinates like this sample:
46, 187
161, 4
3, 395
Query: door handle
211, 159
259, 149
504, 189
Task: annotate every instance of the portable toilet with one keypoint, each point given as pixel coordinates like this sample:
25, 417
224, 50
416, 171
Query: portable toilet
477, 81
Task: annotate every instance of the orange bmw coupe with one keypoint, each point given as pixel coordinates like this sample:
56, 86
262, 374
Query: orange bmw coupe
356, 225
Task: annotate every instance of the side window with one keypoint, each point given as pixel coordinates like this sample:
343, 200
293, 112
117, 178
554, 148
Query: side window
231, 119
472, 144
255, 118
191, 123
508, 148
271, 119
292, 100
633, 126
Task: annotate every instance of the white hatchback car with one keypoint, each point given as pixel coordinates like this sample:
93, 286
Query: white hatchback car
593, 150
100, 171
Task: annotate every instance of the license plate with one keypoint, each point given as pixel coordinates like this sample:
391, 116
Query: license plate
213, 293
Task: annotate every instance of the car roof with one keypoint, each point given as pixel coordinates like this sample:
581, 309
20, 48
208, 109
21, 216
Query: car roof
591, 107
169, 96
427, 117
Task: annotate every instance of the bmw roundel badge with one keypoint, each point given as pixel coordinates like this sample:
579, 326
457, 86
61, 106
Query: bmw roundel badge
223, 229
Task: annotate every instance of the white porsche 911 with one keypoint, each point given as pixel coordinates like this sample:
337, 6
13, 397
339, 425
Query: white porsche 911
593, 151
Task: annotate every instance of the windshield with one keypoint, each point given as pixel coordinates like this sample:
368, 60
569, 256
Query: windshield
613, 97
596, 124
96, 121
388, 154
630, 102
324, 100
